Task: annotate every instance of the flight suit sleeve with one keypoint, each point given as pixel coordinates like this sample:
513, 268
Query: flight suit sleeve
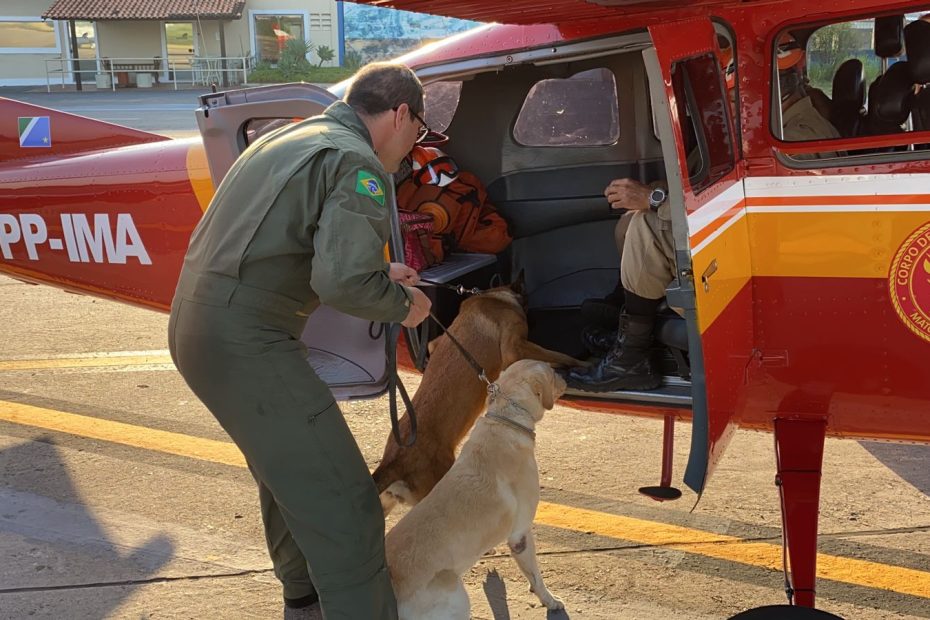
348, 271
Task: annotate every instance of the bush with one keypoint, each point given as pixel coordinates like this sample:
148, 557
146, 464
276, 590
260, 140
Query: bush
266, 74
293, 61
352, 60
325, 53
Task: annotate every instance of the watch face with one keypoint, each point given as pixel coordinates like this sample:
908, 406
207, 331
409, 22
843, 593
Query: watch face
657, 197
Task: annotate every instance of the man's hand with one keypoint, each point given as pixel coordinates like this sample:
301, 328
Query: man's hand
628, 194
403, 274
419, 308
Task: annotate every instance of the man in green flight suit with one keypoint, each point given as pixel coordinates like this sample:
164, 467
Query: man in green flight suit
301, 219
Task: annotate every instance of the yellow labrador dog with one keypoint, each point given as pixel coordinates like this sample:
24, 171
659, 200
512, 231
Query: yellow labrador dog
489, 495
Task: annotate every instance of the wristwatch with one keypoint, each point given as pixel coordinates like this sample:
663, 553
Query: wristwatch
656, 198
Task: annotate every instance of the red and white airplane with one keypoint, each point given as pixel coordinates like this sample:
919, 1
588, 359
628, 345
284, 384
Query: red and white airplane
803, 267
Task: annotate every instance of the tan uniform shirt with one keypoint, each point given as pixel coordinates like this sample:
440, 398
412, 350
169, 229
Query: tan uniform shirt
802, 122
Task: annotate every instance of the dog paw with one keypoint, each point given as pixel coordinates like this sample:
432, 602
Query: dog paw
553, 602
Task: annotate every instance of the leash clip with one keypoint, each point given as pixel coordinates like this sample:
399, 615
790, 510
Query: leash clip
494, 390
462, 291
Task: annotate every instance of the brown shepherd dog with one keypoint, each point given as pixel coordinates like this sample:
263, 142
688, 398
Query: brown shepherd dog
492, 327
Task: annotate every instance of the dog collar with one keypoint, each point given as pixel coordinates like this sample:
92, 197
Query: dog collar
512, 423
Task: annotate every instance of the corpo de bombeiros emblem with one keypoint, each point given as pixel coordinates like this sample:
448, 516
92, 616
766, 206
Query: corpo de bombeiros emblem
910, 282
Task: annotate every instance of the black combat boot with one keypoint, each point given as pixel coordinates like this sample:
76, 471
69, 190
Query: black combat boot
627, 365
598, 340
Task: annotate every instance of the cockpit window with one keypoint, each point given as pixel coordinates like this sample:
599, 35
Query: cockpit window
581, 110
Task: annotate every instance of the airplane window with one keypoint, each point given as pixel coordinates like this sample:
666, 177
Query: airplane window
853, 79
442, 100
578, 111
703, 111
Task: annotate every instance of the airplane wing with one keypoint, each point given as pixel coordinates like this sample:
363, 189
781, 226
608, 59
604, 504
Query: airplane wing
536, 12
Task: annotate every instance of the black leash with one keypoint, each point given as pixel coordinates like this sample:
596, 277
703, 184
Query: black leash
458, 288
394, 382
468, 357
395, 385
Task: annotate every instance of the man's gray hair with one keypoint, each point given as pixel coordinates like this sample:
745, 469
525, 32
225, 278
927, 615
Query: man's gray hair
382, 86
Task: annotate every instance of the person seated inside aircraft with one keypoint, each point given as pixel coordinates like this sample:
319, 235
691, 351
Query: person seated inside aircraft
647, 249
800, 119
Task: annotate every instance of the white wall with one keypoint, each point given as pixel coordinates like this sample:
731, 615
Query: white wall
21, 68
144, 39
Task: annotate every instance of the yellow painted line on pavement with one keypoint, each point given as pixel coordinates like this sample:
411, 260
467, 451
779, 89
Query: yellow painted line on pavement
125, 434
87, 361
723, 547
720, 546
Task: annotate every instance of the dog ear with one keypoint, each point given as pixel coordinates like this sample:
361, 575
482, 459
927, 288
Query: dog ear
518, 285
541, 381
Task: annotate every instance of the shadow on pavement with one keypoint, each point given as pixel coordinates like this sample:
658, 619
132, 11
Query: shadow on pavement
911, 462
54, 547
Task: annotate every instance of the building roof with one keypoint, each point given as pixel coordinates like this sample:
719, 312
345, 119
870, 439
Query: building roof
97, 10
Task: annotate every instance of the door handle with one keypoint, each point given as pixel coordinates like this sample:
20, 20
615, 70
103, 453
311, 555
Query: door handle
705, 277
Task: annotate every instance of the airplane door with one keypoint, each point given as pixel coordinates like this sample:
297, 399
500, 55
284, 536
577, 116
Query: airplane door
688, 82
348, 353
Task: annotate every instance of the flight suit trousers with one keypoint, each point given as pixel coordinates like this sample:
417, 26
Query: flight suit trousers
238, 348
647, 252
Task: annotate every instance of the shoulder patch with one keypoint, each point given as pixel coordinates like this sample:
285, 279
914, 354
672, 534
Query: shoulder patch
368, 184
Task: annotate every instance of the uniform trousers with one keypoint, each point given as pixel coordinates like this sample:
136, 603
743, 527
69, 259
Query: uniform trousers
239, 350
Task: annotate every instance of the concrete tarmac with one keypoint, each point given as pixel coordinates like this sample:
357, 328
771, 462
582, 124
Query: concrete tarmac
108, 509
120, 496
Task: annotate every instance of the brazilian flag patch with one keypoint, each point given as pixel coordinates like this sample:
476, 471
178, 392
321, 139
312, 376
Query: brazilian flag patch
368, 184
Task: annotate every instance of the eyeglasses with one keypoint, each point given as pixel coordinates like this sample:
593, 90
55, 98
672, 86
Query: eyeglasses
424, 128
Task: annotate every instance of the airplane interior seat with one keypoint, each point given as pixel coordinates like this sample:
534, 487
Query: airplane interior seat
884, 115
889, 36
848, 107
891, 98
917, 41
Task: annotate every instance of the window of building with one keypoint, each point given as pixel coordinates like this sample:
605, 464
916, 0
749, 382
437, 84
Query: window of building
442, 100
86, 40
272, 33
578, 111
861, 79
704, 114
28, 36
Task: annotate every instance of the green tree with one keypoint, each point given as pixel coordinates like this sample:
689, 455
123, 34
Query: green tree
830, 46
326, 53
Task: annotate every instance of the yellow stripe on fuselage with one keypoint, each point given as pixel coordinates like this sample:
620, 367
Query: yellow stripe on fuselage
797, 241
198, 170
829, 244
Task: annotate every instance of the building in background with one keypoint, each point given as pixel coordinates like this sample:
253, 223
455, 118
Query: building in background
199, 42
135, 43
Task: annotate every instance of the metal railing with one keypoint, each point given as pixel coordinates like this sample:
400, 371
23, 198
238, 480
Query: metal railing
116, 72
